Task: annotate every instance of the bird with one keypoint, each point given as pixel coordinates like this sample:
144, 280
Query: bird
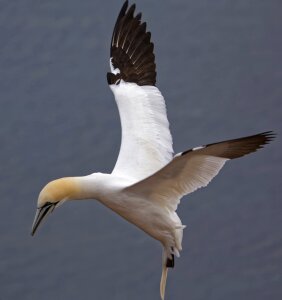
148, 179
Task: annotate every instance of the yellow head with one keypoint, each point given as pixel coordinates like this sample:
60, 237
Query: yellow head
52, 195
58, 190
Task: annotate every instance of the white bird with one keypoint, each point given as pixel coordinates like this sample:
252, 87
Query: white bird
147, 182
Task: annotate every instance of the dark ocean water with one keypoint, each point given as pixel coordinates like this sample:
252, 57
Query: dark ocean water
220, 70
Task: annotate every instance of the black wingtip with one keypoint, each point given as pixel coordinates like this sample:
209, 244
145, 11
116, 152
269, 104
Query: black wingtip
124, 8
138, 16
132, 10
131, 48
122, 11
269, 135
236, 147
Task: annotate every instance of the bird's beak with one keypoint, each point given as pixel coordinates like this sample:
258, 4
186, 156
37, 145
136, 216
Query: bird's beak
41, 213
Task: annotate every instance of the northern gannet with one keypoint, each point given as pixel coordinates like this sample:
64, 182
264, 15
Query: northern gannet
147, 182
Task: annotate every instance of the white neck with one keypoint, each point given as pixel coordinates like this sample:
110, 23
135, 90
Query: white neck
99, 185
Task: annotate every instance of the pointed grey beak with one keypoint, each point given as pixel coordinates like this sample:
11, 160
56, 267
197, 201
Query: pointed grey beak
41, 214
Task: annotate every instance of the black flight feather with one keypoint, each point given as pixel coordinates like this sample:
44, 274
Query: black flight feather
132, 50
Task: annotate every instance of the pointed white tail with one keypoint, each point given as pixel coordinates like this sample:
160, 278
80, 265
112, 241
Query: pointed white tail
163, 281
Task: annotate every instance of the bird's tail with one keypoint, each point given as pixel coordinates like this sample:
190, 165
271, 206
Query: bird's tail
167, 262
163, 281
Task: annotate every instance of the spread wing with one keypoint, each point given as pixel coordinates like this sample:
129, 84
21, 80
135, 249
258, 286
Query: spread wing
194, 168
146, 144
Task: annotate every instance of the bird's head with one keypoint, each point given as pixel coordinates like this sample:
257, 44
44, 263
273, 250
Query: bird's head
52, 195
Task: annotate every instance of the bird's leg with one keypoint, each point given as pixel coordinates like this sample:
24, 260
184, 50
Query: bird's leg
170, 262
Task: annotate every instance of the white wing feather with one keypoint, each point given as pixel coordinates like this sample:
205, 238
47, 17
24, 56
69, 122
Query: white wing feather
195, 168
146, 144
183, 175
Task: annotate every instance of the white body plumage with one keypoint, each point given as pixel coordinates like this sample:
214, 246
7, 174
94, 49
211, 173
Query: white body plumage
147, 182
